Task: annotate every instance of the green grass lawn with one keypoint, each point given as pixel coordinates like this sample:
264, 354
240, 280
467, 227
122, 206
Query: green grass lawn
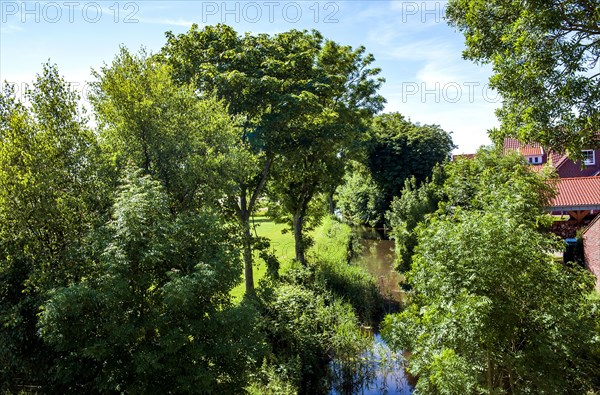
283, 244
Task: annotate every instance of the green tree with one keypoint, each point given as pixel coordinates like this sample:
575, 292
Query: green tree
159, 317
410, 209
338, 107
400, 149
52, 197
359, 198
497, 180
187, 142
491, 311
545, 60
286, 90
259, 79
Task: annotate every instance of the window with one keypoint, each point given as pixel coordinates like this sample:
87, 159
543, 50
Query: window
589, 157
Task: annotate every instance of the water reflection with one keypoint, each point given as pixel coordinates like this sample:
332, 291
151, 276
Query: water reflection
379, 370
378, 258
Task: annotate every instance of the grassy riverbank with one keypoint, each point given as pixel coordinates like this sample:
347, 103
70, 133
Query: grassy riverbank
281, 243
332, 249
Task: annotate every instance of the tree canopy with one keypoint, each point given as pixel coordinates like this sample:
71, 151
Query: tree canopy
300, 101
322, 140
53, 194
149, 121
400, 149
491, 311
545, 60
159, 316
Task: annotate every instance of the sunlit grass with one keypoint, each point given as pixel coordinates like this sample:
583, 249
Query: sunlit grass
281, 243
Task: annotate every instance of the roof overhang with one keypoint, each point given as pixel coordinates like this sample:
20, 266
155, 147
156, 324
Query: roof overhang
574, 208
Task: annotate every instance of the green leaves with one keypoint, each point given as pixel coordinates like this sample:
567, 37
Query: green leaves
492, 311
400, 149
52, 195
147, 120
544, 56
159, 316
359, 198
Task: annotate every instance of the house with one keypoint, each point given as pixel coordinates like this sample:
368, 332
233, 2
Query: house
591, 248
567, 168
578, 197
534, 153
578, 188
537, 156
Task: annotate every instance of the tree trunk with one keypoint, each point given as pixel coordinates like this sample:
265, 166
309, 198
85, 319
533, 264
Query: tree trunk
490, 373
244, 210
330, 203
298, 223
247, 254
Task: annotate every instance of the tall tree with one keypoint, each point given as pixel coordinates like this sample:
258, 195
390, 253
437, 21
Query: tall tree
545, 58
274, 87
52, 197
400, 149
257, 78
492, 311
338, 110
187, 142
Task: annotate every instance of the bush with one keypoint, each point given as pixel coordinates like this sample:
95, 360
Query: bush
157, 316
360, 200
305, 329
312, 313
334, 245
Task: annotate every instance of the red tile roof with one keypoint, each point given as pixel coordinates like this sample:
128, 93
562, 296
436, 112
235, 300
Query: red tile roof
532, 149
528, 150
511, 144
557, 159
579, 191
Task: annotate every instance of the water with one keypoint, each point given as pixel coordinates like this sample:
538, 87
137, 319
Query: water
379, 370
378, 258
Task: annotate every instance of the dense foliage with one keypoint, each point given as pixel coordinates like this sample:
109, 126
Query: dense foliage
158, 316
359, 199
335, 245
118, 249
122, 239
301, 102
400, 149
545, 59
148, 121
410, 209
395, 152
52, 196
491, 311
311, 313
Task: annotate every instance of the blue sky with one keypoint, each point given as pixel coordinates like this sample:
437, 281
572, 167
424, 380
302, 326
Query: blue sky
419, 54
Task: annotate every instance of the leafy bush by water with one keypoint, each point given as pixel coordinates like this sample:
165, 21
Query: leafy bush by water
334, 246
312, 314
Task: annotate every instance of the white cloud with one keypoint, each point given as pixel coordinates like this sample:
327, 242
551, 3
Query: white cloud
6, 28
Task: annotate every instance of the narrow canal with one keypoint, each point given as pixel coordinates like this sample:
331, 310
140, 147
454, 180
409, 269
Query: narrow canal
381, 370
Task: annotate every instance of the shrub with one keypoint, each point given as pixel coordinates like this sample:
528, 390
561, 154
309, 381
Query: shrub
334, 245
305, 329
